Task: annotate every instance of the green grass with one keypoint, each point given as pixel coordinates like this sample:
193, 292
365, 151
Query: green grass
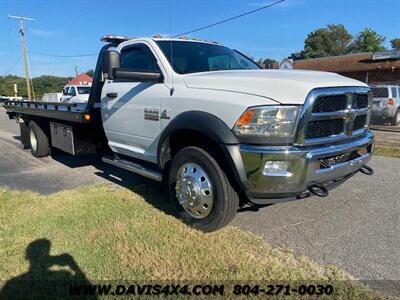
113, 233
387, 151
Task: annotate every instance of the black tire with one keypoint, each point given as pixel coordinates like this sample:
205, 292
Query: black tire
395, 121
225, 198
42, 147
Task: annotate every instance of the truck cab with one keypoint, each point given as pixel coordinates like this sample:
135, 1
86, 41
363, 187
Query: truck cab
75, 94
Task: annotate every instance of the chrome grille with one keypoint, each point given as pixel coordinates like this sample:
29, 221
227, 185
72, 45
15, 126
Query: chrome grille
360, 122
360, 101
334, 114
318, 129
330, 103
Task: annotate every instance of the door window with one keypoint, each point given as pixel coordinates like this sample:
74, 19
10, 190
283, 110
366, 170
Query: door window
138, 58
380, 92
71, 91
394, 92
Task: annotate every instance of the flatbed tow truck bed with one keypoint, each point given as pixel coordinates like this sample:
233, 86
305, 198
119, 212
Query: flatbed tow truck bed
70, 127
71, 112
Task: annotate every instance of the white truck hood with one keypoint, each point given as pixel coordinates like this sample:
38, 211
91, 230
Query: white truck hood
283, 86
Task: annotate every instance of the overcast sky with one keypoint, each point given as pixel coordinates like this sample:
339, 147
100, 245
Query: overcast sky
74, 27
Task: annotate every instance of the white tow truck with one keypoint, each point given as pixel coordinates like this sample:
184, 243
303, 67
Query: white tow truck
206, 120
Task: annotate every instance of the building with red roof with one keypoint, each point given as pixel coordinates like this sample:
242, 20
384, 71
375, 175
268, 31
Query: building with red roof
81, 79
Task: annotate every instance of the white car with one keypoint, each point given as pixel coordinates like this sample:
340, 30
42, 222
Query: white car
386, 104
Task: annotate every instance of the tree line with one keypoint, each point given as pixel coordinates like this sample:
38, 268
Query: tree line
42, 84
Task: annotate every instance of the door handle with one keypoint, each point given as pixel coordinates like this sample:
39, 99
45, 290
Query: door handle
112, 95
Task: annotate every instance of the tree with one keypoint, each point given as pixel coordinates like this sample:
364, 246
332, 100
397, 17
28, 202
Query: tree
267, 62
297, 55
395, 44
90, 72
367, 40
329, 41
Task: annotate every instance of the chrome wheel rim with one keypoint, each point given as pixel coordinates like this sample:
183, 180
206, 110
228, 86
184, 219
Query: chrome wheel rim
33, 140
194, 190
398, 118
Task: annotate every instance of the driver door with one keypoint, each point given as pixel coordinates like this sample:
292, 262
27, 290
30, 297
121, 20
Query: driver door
131, 110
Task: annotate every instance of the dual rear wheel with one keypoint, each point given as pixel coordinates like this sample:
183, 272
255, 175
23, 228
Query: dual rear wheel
38, 140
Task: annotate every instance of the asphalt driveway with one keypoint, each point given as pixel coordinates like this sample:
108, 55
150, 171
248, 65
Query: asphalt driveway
357, 227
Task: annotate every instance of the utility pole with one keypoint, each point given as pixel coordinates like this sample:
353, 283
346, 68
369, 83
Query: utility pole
76, 71
24, 52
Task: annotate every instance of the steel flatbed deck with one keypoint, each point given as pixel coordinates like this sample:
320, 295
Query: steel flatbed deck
71, 112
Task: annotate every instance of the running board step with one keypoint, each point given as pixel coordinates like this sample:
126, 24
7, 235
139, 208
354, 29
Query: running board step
132, 167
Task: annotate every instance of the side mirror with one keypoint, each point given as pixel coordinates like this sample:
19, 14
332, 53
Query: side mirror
110, 61
132, 75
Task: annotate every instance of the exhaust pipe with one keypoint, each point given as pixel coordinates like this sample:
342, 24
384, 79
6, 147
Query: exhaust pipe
366, 170
319, 190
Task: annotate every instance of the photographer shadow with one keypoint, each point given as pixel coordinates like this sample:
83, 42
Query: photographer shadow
40, 281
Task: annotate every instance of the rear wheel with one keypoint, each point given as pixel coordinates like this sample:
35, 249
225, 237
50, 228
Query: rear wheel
38, 140
396, 119
200, 190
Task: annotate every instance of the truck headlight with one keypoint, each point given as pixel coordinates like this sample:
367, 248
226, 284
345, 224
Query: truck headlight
277, 122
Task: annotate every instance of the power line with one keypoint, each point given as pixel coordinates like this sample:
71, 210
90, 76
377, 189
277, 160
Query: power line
56, 55
67, 21
60, 25
230, 19
13, 49
13, 65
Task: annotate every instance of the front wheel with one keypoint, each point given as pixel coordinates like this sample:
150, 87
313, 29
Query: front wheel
200, 190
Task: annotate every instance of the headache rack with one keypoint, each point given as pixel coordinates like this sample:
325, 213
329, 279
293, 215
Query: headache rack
334, 114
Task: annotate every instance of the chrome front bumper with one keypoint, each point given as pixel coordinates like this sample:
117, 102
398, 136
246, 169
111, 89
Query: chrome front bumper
304, 167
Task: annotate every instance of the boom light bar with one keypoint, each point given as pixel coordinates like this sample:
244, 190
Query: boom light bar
117, 39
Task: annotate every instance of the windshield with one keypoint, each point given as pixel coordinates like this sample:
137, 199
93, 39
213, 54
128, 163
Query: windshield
83, 89
191, 57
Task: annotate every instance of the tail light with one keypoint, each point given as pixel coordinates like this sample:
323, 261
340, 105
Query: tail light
390, 102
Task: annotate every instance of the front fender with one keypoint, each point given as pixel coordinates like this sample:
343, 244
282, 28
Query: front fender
212, 127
